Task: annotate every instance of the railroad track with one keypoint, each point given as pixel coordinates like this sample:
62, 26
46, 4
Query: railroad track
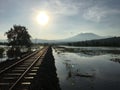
19, 75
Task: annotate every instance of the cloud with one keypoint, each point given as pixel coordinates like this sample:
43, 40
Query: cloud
66, 15
1, 10
62, 7
65, 8
98, 14
94, 14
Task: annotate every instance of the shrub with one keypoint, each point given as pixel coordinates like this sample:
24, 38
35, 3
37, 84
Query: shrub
2, 50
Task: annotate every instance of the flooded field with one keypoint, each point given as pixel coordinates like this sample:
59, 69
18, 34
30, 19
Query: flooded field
88, 68
4, 56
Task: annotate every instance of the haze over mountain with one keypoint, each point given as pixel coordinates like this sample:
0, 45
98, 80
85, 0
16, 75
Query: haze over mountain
85, 36
79, 37
3, 40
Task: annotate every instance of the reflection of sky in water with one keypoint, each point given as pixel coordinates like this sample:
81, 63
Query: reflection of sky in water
106, 73
94, 48
90, 51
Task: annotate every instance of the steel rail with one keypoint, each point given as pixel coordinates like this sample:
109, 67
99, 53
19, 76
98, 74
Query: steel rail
25, 72
7, 68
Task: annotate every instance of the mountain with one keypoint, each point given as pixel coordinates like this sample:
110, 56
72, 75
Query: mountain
111, 42
3, 40
43, 41
79, 37
84, 37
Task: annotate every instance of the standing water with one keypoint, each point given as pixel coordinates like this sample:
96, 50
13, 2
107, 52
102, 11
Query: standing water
4, 56
88, 68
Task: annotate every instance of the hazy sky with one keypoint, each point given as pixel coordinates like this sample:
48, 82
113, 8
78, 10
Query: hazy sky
67, 17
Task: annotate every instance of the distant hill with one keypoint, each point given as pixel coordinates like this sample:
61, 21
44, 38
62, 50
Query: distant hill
84, 37
3, 40
44, 41
79, 37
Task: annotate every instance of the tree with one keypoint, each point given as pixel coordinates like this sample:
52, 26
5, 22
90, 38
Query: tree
18, 37
1, 52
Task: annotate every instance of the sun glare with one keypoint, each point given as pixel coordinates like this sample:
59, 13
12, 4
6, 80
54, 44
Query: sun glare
42, 18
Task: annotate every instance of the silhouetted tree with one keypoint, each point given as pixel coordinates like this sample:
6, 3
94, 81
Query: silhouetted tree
1, 52
18, 37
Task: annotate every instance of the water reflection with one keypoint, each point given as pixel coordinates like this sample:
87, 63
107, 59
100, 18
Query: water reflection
88, 51
68, 66
72, 71
88, 68
115, 60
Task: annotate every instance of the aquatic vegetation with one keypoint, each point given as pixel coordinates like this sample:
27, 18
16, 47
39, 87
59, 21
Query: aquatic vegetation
115, 60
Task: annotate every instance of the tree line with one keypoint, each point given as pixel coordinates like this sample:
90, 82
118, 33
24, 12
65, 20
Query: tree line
113, 42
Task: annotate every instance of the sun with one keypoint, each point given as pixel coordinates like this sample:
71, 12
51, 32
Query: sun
42, 18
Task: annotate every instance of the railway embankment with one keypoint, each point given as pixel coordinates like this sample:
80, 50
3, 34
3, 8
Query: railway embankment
46, 78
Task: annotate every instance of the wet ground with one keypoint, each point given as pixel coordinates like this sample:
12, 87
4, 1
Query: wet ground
88, 68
